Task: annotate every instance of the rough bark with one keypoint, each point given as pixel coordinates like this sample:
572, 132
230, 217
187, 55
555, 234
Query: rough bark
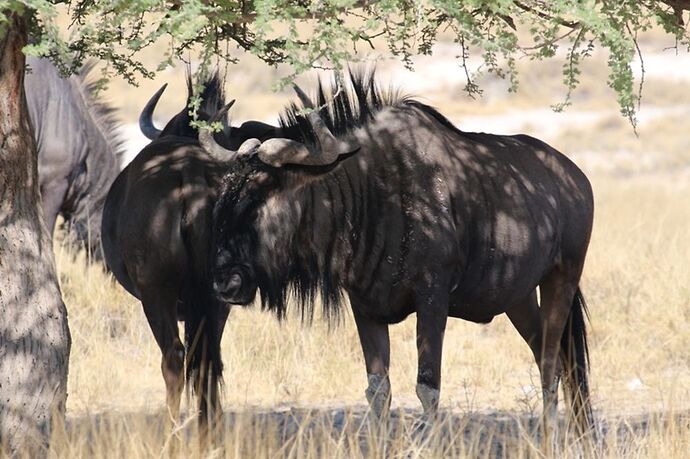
34, 337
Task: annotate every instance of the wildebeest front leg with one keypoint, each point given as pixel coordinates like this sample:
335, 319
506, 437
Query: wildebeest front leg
432, 315
375, 343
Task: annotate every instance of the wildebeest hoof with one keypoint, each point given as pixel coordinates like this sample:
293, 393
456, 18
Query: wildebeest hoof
379, 395
429, 398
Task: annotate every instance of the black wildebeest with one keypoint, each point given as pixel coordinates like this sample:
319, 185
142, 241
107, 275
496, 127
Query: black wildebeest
156, 241
408, 214
79, 152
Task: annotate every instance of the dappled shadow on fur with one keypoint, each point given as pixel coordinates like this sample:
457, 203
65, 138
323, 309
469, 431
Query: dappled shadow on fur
414, 217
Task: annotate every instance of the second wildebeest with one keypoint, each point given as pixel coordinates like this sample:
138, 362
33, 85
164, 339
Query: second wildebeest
79, 151
382, 197
156, 241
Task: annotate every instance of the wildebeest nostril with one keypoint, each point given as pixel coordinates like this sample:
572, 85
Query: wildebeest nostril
230, 285
234, 282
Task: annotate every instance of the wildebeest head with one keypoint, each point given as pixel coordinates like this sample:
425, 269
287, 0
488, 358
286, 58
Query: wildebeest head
252, 223
235, 273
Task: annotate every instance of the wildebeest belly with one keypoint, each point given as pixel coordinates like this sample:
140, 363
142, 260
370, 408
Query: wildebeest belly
496, 287
384, 305
479, 310
480, 314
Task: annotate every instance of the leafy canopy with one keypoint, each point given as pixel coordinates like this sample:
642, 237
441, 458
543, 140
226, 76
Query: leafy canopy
307, 34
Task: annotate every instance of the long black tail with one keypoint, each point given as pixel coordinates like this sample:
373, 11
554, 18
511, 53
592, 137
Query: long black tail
575, 357
202, 342
203, 318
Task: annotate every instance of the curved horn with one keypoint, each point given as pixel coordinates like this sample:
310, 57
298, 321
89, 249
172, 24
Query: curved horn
277, 152
208, 142
146, 117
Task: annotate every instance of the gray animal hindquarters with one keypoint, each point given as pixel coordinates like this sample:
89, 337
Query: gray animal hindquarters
78, 150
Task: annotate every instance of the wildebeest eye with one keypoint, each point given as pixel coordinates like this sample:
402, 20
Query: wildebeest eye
234, 281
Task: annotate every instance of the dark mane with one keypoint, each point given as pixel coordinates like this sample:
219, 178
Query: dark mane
349, 102
309, 275
104, 114
212, 100
346, 103
212, 96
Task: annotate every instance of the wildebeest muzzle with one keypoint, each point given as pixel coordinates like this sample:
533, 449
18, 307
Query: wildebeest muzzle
235, 285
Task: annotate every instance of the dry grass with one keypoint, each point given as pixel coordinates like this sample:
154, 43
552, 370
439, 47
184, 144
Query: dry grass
659, 147
347, 433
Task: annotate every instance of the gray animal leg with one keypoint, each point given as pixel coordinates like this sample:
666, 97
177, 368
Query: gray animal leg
52, 196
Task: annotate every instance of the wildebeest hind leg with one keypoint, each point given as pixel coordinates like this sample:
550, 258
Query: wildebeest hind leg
161, 313
375, 343
557, 292
526, 318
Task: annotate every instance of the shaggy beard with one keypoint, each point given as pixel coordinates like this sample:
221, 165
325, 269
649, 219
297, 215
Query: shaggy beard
301, 281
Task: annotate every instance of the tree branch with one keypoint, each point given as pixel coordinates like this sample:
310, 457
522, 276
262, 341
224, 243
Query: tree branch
550, 42
678, 6
541, 14
250, 16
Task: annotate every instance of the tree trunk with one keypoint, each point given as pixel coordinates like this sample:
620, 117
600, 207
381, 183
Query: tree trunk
34, 337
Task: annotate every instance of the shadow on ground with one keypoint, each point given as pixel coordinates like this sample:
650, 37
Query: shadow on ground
350, 432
